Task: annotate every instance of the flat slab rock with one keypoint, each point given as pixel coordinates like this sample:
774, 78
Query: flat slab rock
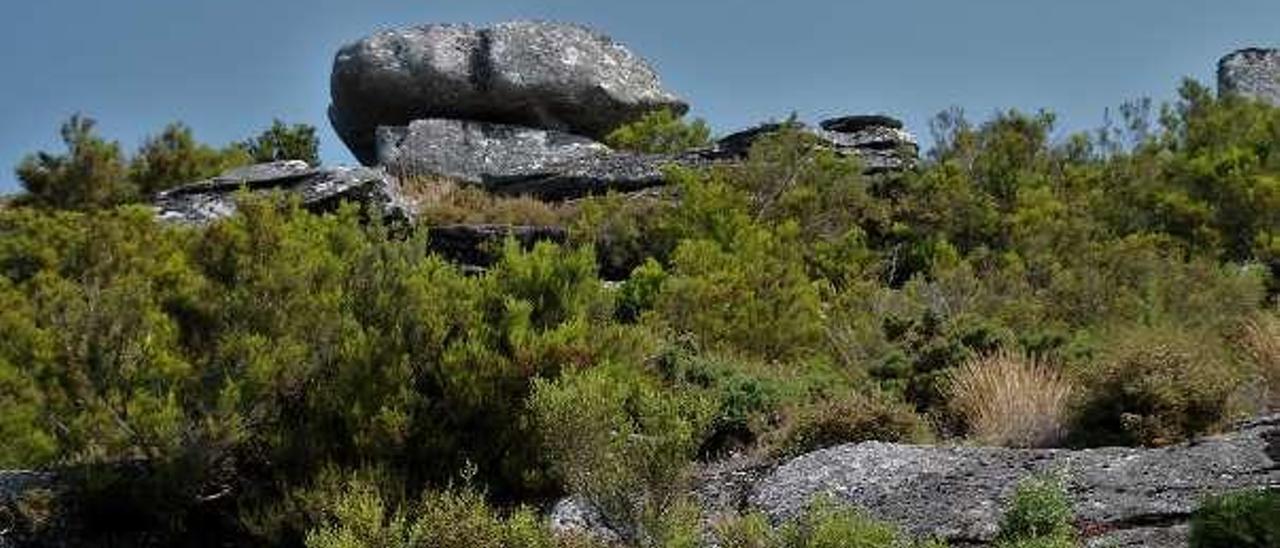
1122, 496
319, 189
517, 160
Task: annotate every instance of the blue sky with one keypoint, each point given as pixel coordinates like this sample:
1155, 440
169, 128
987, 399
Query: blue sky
227, 67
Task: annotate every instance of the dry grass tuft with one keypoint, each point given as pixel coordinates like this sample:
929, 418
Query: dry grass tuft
1011, 399
1260, 340
442, 201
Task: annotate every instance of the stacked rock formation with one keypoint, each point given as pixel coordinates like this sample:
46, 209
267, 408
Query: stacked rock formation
518, 108
1253, 73
539, 75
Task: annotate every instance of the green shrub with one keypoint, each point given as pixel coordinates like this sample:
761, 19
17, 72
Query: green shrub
1157, 386
91, 174
660, 131
619, 440
360, 517
284, 142
824, 524
174, 157
1243, 519
1040, 515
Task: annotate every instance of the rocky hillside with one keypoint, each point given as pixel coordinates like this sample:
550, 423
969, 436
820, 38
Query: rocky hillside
530, 332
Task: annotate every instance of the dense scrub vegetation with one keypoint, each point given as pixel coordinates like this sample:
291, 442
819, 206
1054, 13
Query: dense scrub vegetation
293, 379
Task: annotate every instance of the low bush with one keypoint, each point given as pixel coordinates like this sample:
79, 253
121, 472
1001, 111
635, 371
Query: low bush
1010, 399
852, 418
1039, 516
660, 131
619, 440
1243, 519
824, 524
1157, 386
361, 517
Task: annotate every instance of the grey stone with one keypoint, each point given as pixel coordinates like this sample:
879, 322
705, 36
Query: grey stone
537, 74
878, 141
1129, 495
516, 160
319, 189
477, 152
575, 516
1253, 72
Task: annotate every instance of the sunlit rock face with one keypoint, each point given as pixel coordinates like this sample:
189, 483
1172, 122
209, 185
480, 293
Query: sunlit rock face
541, 75
1253, 72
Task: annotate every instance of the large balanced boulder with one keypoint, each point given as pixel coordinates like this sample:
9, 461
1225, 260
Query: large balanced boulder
318, 189
1253, 73
537, 74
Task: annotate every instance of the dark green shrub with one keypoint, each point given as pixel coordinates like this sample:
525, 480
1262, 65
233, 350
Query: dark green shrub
1244, 519
91, 174
174, 157
282, 141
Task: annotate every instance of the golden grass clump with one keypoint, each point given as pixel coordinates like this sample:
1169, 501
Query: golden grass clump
1260, 340
1011, 399
442, 201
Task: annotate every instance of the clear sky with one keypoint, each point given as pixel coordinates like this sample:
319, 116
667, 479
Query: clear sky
227, 67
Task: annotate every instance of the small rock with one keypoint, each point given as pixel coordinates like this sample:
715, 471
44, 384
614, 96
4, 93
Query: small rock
1253, 73
575, 516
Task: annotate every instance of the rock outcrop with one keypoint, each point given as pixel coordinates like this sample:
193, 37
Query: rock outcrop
517, 160
535, 74
1121, 496
878, 141
319, 189
1140, 496
1253, 73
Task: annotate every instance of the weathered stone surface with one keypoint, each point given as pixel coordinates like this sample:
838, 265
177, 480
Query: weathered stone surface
320, 189
1253, 72
536, 74
477, 152
1134, 496
479, 244
517, 160
575, 516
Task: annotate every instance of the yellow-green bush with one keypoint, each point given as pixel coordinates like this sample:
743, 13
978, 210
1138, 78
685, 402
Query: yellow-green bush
1157, 386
